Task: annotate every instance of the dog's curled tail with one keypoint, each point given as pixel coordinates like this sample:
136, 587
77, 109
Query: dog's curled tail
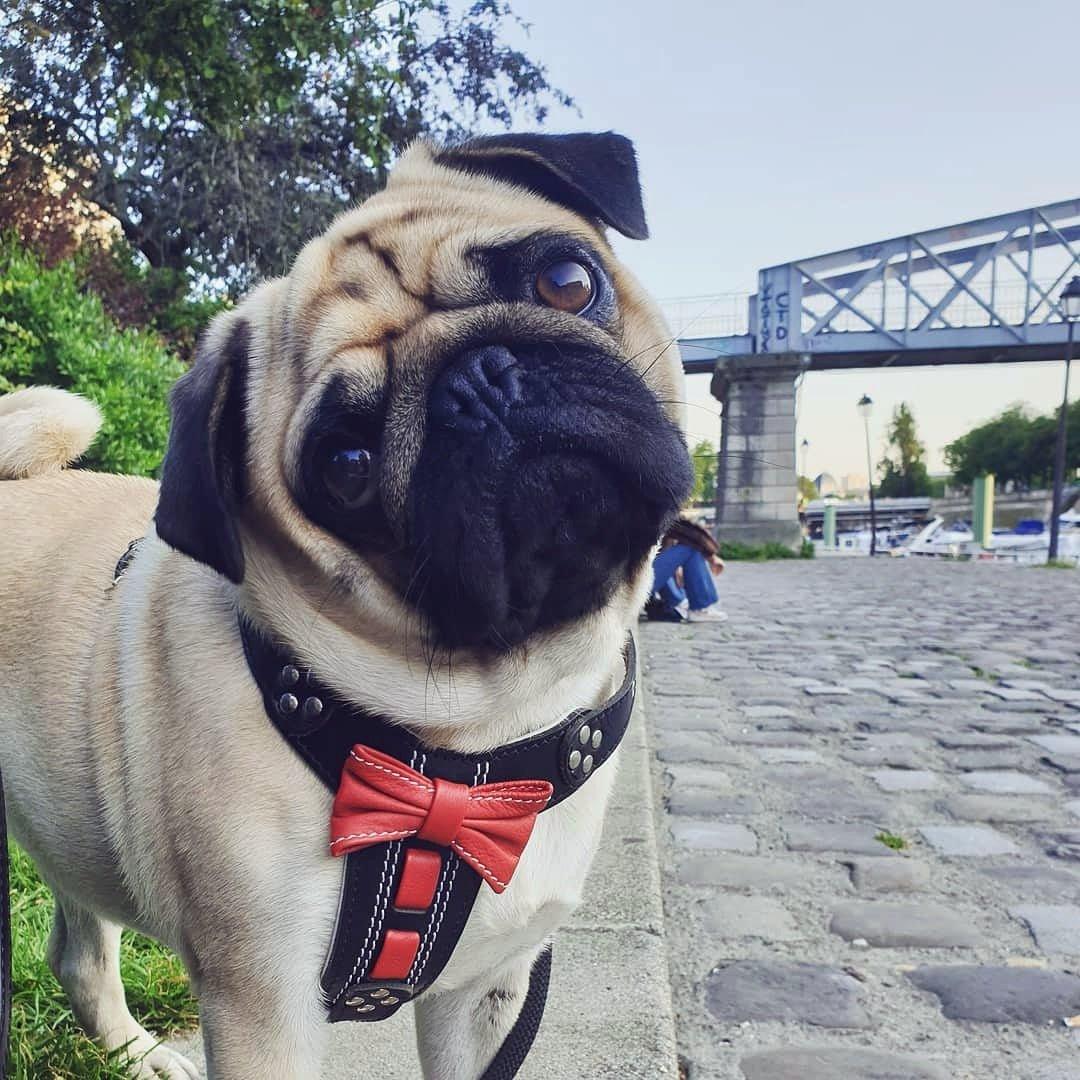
42, 429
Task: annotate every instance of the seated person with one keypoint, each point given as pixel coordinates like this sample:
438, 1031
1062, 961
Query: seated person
683, 572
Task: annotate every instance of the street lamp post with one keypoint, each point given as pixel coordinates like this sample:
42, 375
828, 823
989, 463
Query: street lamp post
1070, 307
865, 407
805, 454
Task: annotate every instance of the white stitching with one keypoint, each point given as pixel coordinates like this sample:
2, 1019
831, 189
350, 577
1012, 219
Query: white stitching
391, 849
445, 907
383, 883
363, 948
398, 833
430, 943
385, 907
508, 798
485, 870
433, 935
393, 772
435, 902
421, 954
395, 849
431, 931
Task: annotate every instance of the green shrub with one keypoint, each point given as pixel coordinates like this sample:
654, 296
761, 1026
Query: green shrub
150, 298
735, 551
54, 334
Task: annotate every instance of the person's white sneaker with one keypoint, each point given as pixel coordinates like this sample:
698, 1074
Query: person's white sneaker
707, 614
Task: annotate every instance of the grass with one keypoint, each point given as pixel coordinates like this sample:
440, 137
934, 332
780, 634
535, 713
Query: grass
1057, 564
738, 552
891, 840
46, 1042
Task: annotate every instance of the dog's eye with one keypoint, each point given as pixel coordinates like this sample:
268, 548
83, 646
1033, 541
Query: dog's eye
566, 285
351, 477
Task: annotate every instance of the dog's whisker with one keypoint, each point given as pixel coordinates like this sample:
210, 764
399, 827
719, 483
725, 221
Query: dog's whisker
693, 405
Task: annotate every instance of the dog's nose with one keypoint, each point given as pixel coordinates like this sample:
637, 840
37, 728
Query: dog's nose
546, 475
477, 390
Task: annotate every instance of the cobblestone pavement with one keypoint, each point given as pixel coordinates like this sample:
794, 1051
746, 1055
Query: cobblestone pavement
845, 704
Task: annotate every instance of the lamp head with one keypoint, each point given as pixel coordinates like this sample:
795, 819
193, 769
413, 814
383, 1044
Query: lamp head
1070, 299
865, 406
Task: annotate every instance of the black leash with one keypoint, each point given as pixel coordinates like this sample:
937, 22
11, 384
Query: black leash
518, 1043
5, 941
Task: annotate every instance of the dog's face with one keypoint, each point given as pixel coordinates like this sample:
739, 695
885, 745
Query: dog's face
457, 398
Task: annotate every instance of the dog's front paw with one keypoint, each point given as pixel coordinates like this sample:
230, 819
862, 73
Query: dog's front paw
161, 1063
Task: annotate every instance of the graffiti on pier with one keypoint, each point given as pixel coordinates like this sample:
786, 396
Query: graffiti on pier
773, 308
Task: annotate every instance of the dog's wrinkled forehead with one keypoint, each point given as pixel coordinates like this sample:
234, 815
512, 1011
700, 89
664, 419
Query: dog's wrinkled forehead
577, 182
412, 249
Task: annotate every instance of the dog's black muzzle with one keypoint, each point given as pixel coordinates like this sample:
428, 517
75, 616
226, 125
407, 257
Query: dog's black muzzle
547, 474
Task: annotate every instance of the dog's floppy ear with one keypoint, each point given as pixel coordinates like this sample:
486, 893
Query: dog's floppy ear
202, 478
592, 174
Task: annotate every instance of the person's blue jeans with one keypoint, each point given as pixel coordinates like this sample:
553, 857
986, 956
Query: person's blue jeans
697, 577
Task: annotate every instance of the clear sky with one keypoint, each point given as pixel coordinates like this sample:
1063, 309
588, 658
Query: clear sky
774, 131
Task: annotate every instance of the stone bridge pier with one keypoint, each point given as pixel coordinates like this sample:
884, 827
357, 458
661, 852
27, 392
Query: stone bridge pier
756, 480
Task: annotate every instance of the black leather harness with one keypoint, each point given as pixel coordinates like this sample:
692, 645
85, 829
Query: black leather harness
322, 729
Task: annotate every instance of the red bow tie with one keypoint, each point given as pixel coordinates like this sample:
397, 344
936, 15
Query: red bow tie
380, 800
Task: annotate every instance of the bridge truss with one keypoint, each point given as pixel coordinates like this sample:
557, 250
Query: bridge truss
981, 292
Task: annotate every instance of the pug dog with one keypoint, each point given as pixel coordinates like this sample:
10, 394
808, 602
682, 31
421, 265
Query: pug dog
434, 461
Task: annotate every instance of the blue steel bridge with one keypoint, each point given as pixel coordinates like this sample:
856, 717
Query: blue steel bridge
981, 292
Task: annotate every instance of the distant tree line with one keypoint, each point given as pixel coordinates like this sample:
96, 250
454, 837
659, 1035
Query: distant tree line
1016, 446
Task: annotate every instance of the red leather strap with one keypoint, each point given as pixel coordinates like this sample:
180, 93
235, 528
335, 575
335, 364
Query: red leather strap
447, 812
396, 956
419, 878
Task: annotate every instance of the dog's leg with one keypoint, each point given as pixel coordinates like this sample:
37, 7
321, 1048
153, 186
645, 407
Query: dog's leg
84, 954
459, 1032
260, 1031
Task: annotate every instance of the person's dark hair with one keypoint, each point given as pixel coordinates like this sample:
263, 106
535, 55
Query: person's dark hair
684, 531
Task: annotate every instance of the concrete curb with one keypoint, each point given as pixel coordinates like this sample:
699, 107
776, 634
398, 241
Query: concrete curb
609, 1011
